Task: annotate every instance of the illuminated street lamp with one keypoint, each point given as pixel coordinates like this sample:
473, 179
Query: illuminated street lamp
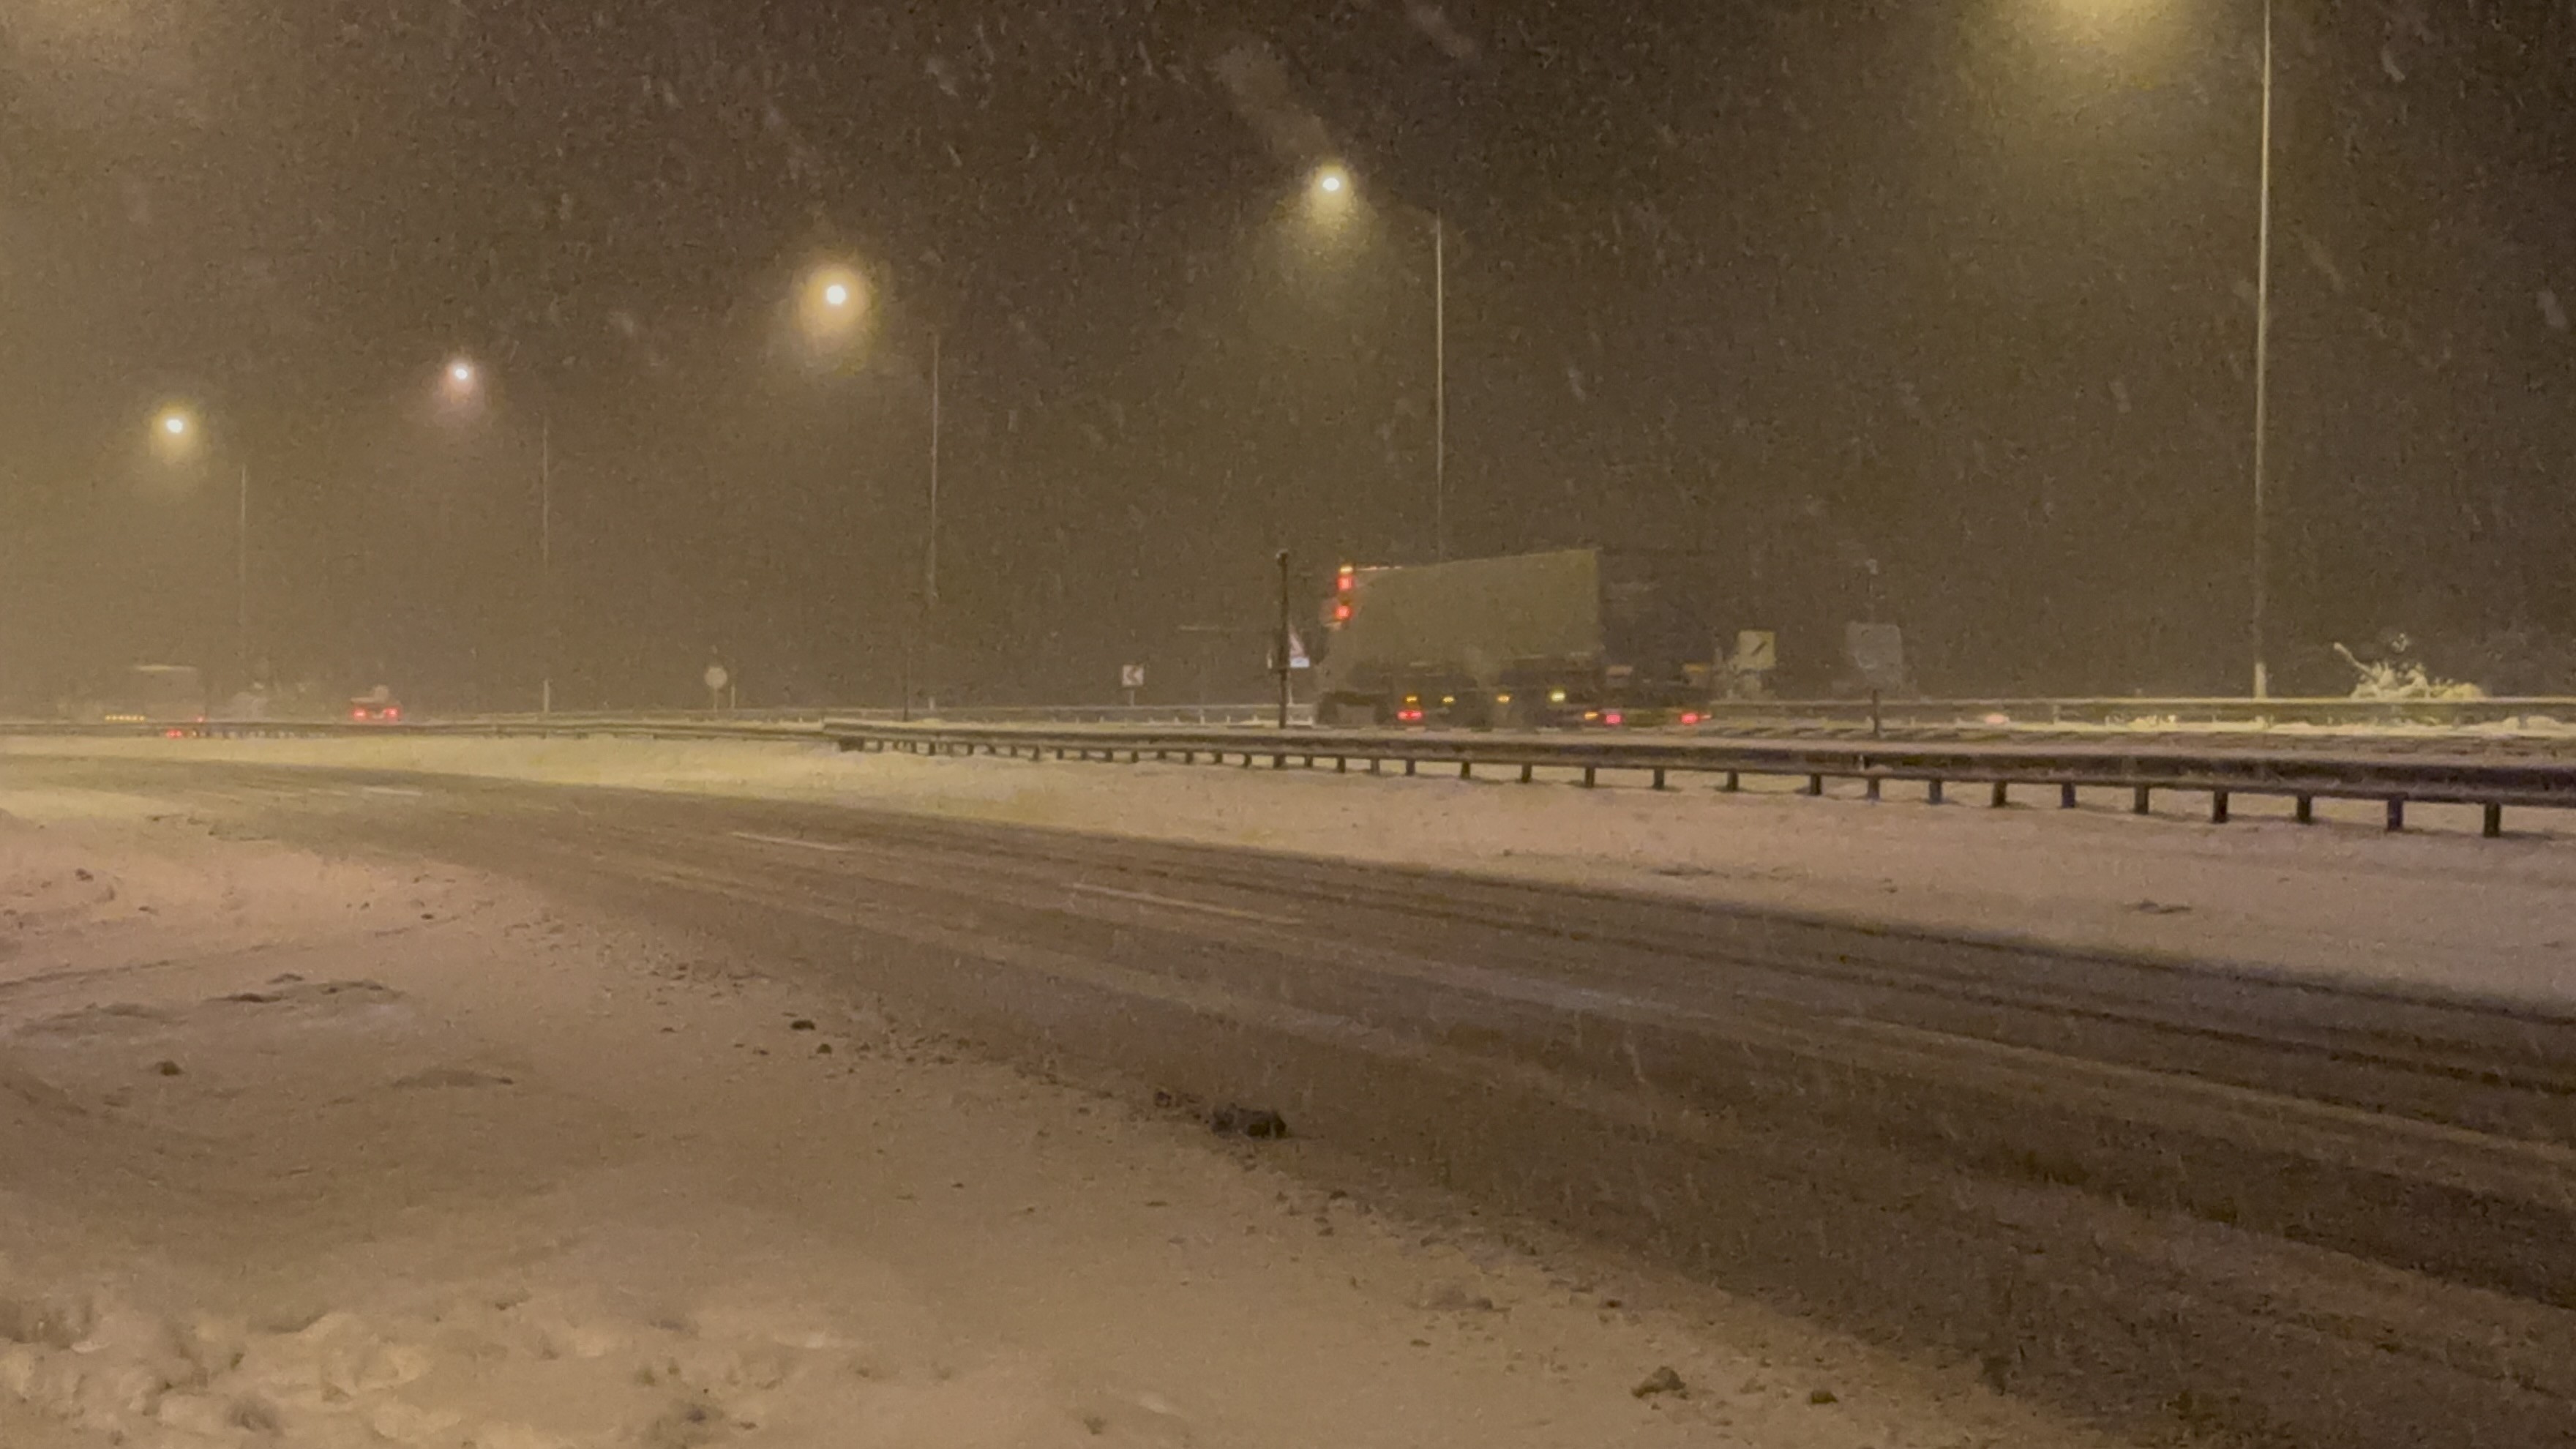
462, 382
833, 308
832, 305
1332, 192
176, 434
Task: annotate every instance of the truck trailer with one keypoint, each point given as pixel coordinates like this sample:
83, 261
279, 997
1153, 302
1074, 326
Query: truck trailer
1524, 641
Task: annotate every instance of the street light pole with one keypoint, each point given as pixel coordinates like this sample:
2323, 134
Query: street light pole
930, 563
241, 580
2262, 373
1439, 389
546, 562
1332, 191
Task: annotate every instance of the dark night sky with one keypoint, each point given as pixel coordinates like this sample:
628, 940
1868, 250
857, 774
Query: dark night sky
1964, 289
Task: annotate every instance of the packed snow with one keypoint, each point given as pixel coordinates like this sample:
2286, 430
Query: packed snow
321, 1153
2433, 909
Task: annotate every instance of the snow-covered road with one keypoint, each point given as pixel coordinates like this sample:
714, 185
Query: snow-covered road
322, 1150
2111, 1182
2435, 910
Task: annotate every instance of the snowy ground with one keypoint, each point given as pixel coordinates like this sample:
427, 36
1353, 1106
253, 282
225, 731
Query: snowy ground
2435, 908
308, 1152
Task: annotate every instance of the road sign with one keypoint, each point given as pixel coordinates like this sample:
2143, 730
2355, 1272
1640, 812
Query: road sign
1131, 676
1757, 651
1878, 652
1297, 652
716, 678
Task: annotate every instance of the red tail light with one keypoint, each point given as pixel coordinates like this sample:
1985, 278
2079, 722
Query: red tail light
1690, 719
359, 713
393, 711
174, 734
1614, 717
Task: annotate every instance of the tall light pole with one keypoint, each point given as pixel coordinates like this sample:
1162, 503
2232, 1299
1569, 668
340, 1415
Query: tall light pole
833, 312
176, 437
2262, 376
462, 383
1332, 190
241, 577
930, 544
2259, 618
546, 560
1439, 389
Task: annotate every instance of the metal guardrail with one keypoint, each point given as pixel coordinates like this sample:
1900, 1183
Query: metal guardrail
2548, 720
2328, 712
672, 726
2142, 770
2304, 773
2548, 716
1141, 714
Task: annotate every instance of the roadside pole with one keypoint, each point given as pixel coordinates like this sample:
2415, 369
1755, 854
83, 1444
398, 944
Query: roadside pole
1279, 654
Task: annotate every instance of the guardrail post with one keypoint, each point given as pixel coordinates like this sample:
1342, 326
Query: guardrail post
1869, 789
1591, 777
1526, 772
2065, 797
1341, 764
2494, 822
2304, 810
1408, 768
1279, 762
1815, 784
1374, 762
1466, 770
2142, 802
2217, 807
1734, 782
2002, 795
1931, 792
1659, 777
2396, 814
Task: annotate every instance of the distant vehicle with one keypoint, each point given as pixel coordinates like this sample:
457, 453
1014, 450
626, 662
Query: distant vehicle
1566, 638
376, 706
154, 694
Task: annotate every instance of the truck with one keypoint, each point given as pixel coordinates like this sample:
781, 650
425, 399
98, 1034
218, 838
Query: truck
1534, 640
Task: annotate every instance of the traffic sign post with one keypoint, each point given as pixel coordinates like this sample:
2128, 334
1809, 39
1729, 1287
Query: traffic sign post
1131, 678
1279, 649
716, 679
